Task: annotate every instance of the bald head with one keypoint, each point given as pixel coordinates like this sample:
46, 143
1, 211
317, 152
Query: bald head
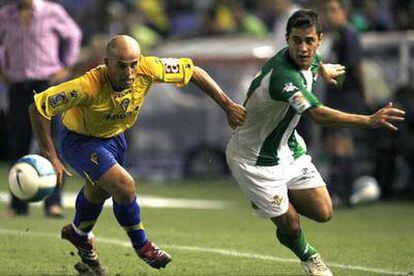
123, 47
122, 59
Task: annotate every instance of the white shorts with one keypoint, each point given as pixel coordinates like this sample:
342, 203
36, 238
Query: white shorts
267, 186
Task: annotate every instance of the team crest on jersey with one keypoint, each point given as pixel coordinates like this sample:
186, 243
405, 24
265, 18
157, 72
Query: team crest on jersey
124, 104
58, 99
94, 158
277, 200
289, 87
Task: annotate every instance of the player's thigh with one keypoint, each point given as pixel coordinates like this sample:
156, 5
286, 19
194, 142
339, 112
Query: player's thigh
118, 183
265, 187
89, 156
314, 203
307, 190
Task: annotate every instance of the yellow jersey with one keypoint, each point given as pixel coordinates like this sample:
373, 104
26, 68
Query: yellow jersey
89, 106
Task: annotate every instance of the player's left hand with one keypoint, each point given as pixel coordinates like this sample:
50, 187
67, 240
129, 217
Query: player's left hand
330, 72
60, 170
385, 116
236, 114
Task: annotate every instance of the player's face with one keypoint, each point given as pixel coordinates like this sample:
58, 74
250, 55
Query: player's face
122, 71
302, 45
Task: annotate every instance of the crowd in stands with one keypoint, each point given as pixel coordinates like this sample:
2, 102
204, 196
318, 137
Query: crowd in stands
154, 20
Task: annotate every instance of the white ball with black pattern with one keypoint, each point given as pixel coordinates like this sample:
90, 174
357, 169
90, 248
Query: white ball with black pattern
32, 178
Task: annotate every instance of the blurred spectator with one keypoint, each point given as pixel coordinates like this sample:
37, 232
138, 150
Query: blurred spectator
247, 23
283, 9
230, 17
403, 12
373, 15
348, 96
89, 14
135, 22
91, 55
185, 18
404, 98
137, 27
155, 13
117, 13
392, 146
40, 40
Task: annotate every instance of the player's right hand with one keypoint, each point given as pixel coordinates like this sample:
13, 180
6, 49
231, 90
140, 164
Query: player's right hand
236, 114
385, 116
60, 170
330, 72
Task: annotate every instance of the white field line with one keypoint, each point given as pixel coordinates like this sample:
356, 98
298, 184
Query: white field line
218, 251
144, 201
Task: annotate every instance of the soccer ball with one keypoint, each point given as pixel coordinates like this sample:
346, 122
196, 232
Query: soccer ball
32, 178
365, 190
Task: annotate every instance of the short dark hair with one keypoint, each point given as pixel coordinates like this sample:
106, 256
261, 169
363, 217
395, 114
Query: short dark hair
303, 19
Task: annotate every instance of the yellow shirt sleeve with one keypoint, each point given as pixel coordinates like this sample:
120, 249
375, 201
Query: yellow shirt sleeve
60, 98
169, 70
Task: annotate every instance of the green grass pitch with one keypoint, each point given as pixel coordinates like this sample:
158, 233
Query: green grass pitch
375, 239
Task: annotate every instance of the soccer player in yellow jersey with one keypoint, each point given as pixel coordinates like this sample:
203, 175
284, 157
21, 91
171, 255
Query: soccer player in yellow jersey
96, 109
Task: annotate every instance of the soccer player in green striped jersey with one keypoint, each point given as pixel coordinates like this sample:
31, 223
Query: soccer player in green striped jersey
266, 155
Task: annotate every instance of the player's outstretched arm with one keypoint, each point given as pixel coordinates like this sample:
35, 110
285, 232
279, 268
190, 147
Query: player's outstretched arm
236, 113
384, 117
330, 72
41, 127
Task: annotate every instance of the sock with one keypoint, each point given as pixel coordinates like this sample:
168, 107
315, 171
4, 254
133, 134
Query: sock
129, 217
86, 213
297, 245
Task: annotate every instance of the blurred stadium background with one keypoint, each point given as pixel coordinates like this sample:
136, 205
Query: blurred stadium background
181, 133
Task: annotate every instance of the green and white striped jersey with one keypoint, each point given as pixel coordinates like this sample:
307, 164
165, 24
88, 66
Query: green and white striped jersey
277, 97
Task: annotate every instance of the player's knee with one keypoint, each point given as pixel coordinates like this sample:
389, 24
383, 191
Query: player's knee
96, 196
125, 192
324, 214
287, 225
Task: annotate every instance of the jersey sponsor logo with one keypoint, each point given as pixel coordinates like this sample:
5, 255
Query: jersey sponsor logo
171, 65
124, 104
299, 102
289, 87
58, 99
118, 116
